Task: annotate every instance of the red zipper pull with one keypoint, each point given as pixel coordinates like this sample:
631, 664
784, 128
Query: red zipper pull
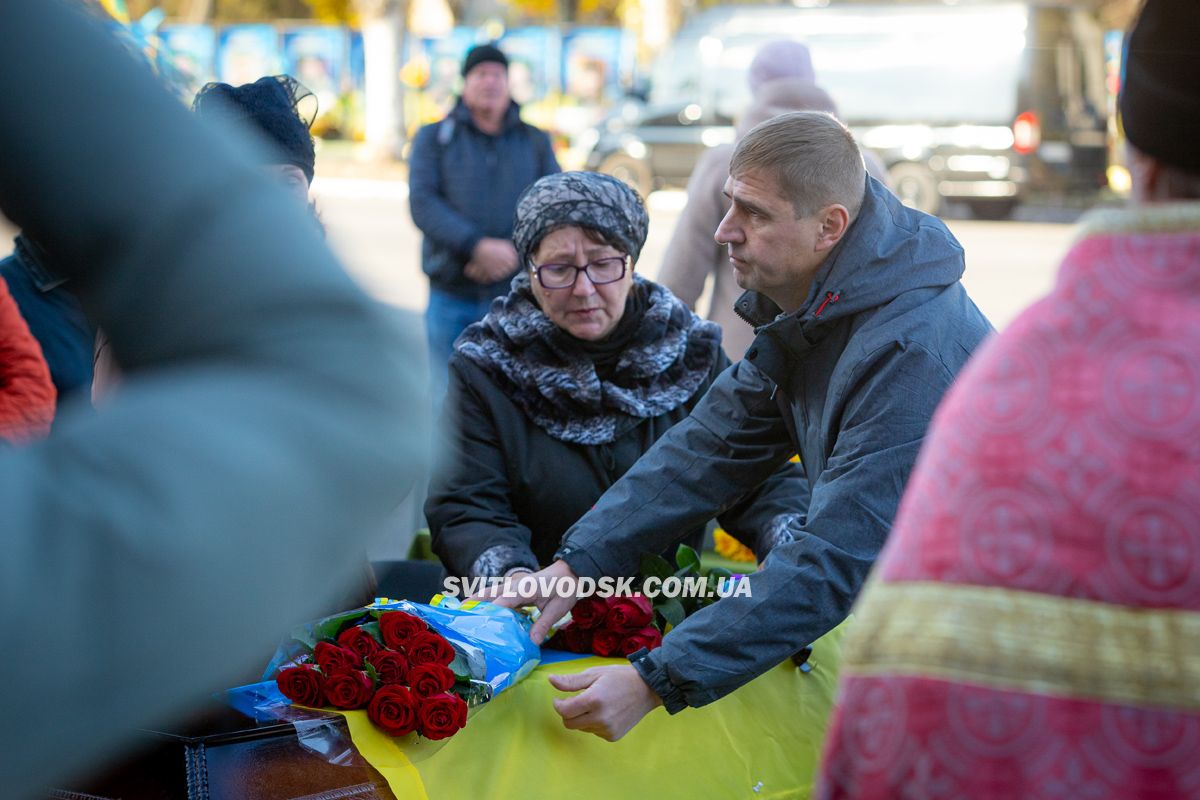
830, 297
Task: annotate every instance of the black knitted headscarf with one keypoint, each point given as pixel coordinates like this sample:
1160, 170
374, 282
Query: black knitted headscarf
587, 199
272, 105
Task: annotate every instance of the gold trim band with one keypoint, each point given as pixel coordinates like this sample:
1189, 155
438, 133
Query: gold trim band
1010, 639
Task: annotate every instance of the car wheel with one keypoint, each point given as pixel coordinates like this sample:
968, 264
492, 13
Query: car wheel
630, 170
916, 187
992, 209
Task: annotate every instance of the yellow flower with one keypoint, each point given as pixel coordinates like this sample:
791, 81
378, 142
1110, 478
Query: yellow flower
730, 548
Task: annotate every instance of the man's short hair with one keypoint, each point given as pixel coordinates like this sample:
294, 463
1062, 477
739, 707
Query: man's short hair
813, 157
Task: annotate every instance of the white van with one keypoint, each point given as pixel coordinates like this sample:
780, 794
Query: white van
981, 101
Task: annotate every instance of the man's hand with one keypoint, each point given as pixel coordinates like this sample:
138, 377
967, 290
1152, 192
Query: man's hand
613, 699
544, 590
491, 260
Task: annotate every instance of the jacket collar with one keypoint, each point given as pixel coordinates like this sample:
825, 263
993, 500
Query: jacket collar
33, 259
512, 117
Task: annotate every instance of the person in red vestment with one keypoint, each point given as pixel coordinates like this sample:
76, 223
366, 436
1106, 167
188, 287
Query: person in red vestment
1033, 628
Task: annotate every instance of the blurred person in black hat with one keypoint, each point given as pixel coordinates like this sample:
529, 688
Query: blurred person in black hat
155, 551
281, 111
277, 111
465, 175
1032, 627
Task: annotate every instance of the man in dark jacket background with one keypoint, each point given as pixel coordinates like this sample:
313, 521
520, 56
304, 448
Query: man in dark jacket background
862, 324
465, 175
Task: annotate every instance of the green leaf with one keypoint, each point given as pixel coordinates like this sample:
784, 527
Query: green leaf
371, 673
305, 637
373, 629
720, 572
330, 627
671, 610
687, 558
462, 672
654, 566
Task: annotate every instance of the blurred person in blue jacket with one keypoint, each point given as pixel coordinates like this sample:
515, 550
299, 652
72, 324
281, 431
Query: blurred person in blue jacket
466, 173
157, 549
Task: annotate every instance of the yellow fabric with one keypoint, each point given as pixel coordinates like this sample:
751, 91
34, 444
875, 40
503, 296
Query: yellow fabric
767, 735
730, 548
1026, 641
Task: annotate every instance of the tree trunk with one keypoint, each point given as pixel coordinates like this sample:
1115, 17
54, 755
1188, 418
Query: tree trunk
197, 11
383, 34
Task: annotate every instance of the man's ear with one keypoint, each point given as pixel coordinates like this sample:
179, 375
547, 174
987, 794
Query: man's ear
1146, 173
835, 221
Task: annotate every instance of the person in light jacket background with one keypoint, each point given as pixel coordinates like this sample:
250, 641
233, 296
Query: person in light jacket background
781, 79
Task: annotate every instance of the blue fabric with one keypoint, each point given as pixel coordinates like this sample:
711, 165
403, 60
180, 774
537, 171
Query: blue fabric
56, 319
851, 385
447, 316
466, 188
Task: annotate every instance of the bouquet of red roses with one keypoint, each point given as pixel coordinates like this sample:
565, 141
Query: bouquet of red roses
620, 626
609, 626
406, 675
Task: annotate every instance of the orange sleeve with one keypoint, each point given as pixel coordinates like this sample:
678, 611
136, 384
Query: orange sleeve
27, 395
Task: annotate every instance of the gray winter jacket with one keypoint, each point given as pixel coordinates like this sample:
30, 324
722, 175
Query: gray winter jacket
850, 381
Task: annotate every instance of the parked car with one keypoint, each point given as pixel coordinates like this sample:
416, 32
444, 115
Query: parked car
984, 102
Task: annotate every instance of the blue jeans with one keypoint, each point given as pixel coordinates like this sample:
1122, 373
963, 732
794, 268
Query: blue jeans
447, 316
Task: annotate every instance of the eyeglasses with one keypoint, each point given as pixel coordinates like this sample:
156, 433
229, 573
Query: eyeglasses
599, 272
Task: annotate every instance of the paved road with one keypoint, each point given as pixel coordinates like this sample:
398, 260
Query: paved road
1009, 264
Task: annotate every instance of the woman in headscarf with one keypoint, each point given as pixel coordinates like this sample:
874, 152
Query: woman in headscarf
567, 381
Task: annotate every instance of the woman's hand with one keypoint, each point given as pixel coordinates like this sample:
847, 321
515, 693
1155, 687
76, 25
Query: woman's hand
549, 590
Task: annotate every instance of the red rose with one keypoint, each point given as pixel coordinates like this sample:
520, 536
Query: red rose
398, 629
394, 710
301, 685
331, 658
392, 667
573, 639
430, 679
430, 648
441, 715
648, 638
348, 689
606, 642
629, 613
589, 612
359, 641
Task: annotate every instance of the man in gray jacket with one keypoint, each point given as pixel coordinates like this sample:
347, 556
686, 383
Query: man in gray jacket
862, 324
156, 551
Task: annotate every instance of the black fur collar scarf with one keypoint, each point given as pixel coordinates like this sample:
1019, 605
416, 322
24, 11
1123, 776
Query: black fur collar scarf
549, 376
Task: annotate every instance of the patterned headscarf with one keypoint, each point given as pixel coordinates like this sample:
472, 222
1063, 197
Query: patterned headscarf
586, 199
